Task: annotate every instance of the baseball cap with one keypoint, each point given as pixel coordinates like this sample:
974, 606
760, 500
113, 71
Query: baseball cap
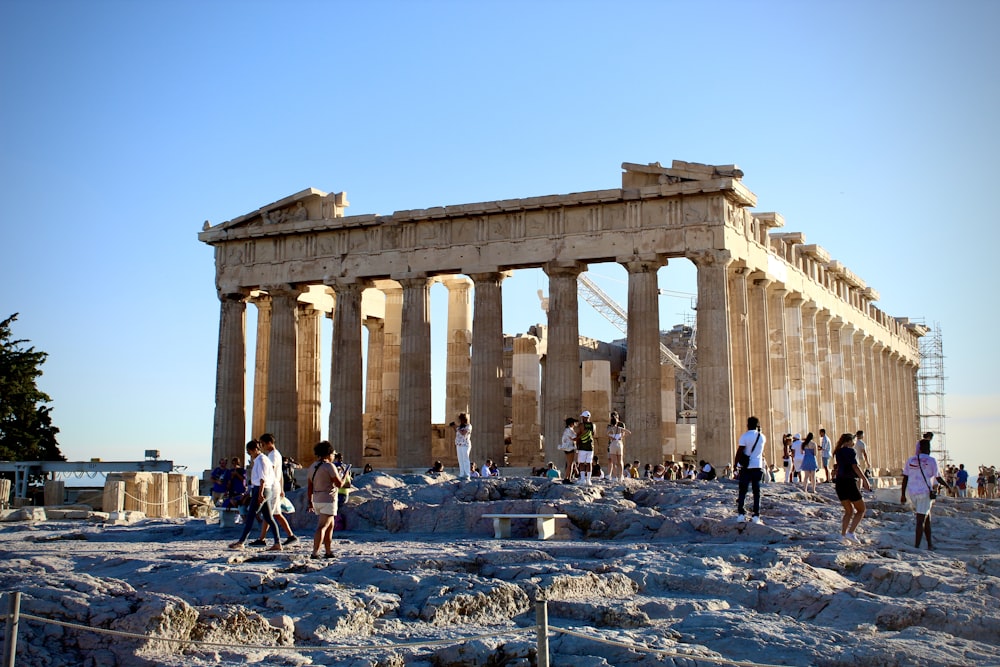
585, 413
797, 436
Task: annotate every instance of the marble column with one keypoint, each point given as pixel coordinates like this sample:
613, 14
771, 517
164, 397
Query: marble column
887, 458
780, 408
716, 421
827, 404
415, 375
487, 396
229, 431
282, 380
668, 405
458, 367
561, 384
760, 367
373, 387
525, 394
850, 378
861, 384
739, 325
810, 368
392, 333
346, 368
643, 402
841, 422
309, 384
798, 417
873, 417
261, 361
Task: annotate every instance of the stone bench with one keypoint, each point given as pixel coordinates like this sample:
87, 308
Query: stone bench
546, 523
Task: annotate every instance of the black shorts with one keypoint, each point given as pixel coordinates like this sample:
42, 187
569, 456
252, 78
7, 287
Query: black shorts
847, 489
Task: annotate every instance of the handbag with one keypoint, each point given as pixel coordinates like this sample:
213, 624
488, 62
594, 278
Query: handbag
743, 458
286, 506
930, 491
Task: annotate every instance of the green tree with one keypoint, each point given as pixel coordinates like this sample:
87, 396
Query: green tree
26, 430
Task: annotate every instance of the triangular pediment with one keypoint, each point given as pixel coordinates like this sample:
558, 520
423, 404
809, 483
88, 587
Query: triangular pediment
301, 207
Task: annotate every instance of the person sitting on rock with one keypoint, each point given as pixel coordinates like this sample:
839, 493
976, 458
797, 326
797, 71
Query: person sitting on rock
436, 469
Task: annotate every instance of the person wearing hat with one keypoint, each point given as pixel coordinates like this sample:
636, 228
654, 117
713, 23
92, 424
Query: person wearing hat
219, 481
797, 455
584, 447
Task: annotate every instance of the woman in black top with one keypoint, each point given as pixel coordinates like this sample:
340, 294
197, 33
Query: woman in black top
848, 472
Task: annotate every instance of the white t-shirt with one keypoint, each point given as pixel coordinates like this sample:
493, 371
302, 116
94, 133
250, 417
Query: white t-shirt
862, 450
754, 451
915, 484
262, 473
568, 443
797, 450
825, 446
275, 457
463, 435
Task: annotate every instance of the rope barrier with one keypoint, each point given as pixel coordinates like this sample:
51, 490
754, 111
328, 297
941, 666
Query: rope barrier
183, 498
253, 647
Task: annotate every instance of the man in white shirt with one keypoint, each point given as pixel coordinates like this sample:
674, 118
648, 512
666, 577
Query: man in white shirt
919, 475
861, 449
750, 458
797, 455
274, 456
826, 449
261, 490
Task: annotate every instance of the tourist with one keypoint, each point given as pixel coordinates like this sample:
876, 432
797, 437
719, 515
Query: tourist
235, 481
707, 471
262, 481
323, 477
475, 470
269, 448
749, 460
797, 457
489, 469
825, 450
368, 468
786, 456
551, 472
344, 489
659, 473
633, 471
981, 482
463, 445
848, 473
616, 446
809, 463
919, 474
218, 481
436, 469
596, 472
568, 447
584, 447
861, 449
991, 482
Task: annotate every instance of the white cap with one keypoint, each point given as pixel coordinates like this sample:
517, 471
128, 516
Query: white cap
797, 436
585, 413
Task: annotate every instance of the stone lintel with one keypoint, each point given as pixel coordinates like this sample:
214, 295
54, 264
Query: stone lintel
816, 252
770, 219
639, 175
837, 268
918, 329
790, 238
871, 294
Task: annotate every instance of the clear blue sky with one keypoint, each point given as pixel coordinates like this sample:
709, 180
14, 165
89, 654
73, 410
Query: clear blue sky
871, 126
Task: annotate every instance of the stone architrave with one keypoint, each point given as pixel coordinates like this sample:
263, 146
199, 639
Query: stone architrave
373, 387
561, 384
346, 370
525, 394
392, 333
310, 397
487, 396
282, 374
415, 375
261, 356
716, 420
458, 367
760, 367
595, 395
230, 377
798, 417
780, 408
643, 403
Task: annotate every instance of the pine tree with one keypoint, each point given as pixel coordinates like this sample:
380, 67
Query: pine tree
26, 430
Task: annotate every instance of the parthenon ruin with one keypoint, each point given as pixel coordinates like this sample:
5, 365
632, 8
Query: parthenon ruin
784, 331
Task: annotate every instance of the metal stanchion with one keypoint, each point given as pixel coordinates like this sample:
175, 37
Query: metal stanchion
542, 620
10, 636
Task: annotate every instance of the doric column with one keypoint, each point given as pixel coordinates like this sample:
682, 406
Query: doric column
415, 374
261, 360
716, 421
879, 452
309, 384
798, 417
486, 401
562, 383
525, 394
739, 325
643, 402
861, 389
760, 367
595, 393
827, 404
373, 387
458, 366
390, 376
230, 377
668, 405
810, 368
887, 457
780, 409
346, 409
282, 380
889, 358
850, 378
841, 423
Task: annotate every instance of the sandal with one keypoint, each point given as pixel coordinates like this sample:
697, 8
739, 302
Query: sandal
330, 555
314, 556
276, 547
236, 545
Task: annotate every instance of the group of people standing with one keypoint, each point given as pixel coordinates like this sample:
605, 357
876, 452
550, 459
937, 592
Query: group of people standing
802, 458
578, 443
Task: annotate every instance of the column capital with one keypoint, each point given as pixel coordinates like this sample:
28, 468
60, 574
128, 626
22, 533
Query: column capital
642, 263
283, 289
562, 268
415, 281
490, 276
710, 257
455, 281
232, 293
343, 283
759, 279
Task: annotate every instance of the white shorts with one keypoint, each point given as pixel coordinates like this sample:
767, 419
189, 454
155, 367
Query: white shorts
615, 448
921, 502
329, 509
584, 455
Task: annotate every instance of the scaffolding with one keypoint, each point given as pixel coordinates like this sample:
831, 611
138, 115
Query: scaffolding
930, 390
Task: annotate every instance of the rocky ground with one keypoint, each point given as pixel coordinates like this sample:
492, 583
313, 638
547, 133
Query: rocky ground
641, 573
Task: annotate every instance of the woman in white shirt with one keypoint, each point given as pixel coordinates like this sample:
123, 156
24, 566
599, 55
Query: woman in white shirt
261, 479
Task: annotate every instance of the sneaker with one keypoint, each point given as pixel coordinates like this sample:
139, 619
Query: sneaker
292, 539
851, 538
236, 545
741, 518
757, 520
314, 556
258, 543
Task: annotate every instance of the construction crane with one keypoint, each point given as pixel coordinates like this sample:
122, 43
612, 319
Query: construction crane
618, 316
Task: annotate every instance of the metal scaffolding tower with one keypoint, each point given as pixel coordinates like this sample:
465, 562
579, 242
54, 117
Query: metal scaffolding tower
930, 390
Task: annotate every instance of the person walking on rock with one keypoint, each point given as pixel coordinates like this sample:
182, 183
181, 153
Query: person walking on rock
826, 451
849, 475
324, 480
267, 446
809, 463
262, 478
919, 475
463, 445
750, 460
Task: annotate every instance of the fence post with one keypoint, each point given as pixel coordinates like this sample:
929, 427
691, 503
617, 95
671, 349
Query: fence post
542, 621
10, 636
